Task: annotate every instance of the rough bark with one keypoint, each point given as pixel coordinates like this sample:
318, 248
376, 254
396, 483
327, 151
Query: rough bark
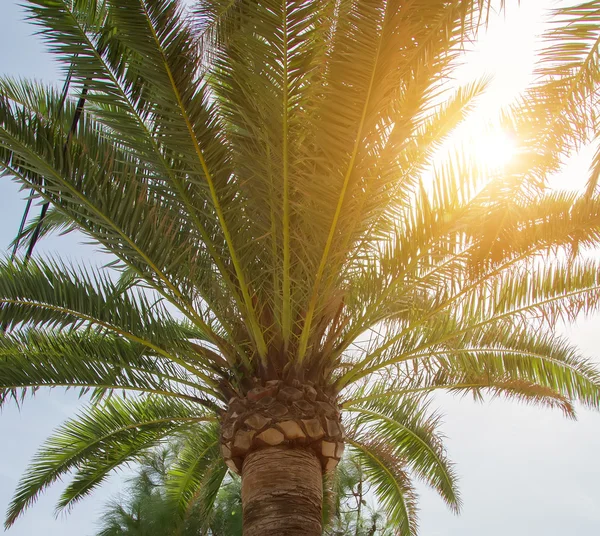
282, 492
281, 415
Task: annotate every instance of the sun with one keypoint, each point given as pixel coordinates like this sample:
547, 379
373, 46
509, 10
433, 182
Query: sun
487, 150
492, 151
480, 150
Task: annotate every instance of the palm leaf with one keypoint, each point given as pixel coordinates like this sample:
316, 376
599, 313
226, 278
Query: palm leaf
403, 425
270, 170
100, 440
87, 360
195, 478
391, 482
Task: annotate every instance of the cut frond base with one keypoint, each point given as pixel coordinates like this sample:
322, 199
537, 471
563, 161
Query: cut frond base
290, 416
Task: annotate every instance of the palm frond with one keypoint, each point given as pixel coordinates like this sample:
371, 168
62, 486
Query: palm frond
567, 71
82, 189
52, 295
195, 478
101, 439
370, 45
101, 363
272, 171
402, 423
391, 482
462, 380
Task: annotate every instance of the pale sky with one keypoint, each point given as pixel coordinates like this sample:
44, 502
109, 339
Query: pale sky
523, 471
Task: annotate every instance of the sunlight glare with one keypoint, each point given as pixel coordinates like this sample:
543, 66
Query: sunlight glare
492, 151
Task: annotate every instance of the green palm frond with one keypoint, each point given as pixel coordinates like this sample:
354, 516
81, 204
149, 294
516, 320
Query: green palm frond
569, 62
448, 304
360, 114
45, 101
463, 381
194, 479
456, 241
502, 349
52, 294
410, 433
392, 485
272, 181
101, 439
129, 234
137, 330
113, 224
87, 360
559, 111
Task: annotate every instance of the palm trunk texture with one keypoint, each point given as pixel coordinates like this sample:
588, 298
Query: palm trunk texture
282, 493
281, 438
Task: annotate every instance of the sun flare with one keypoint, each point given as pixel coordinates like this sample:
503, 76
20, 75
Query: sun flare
484, 151
493, 151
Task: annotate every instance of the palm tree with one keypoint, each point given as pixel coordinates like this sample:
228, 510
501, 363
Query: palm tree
146, 510
564, 100
293, 271
347, 510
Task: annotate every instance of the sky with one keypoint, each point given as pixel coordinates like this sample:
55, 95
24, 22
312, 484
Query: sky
524, 471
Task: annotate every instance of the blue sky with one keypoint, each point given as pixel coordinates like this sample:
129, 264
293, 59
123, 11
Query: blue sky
524, 471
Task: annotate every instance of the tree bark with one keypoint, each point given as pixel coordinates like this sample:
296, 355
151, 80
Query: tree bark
282, 493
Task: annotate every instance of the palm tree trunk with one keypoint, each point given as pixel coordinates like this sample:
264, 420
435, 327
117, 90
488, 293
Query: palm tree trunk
282, 493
